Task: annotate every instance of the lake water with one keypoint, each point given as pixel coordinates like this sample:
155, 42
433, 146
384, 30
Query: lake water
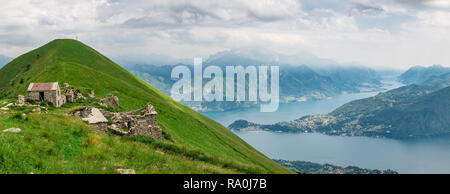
428, 155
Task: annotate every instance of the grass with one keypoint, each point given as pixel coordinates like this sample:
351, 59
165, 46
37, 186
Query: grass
60, 144
203, 144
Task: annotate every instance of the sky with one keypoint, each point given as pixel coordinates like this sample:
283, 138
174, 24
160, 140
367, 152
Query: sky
375, 33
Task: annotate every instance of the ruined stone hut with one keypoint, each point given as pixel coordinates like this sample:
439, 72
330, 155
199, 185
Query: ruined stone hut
139, 122
50, 92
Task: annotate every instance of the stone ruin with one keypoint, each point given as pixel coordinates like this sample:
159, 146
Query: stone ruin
72, 95
139, 122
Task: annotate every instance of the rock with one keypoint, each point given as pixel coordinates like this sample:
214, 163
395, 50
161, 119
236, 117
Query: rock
110, 100
4, 108
13, 130
126, 171
66, 85
20, 100
93, 116
80, 96
38, 109
92, 94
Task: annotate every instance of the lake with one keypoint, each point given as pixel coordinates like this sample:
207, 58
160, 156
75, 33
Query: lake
427, 155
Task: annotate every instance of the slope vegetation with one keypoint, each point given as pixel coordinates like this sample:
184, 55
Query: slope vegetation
70, 61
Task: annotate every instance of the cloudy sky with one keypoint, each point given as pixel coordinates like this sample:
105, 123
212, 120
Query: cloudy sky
376, 33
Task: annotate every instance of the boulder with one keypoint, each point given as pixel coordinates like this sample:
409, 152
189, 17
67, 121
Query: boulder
92, 94
126, 171
13, 130
93, 116
110, 100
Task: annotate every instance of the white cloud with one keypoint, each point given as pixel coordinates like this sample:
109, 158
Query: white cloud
376, 33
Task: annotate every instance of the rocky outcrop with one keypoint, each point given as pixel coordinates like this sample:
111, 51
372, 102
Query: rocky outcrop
139, 122
110, 100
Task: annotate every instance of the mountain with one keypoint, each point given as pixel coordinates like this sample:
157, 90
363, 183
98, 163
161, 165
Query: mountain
4, 60
418, 74
54, 142
405, 112
297, 83
356, 78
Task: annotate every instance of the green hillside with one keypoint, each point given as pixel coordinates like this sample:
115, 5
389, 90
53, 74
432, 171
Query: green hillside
55, 143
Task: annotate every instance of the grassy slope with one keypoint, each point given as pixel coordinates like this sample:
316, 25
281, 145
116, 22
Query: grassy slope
75, 63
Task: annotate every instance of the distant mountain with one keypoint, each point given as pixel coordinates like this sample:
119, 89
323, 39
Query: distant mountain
297, 83
4, 60
406, 112
418, 74
354, 77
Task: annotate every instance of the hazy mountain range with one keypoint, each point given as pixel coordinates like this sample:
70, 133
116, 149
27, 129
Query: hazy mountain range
419, 74
297, 82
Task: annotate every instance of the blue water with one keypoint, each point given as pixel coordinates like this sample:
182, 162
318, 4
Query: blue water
429, 155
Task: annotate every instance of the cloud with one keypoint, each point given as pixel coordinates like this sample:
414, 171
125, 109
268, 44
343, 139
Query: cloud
366, 9
373, 32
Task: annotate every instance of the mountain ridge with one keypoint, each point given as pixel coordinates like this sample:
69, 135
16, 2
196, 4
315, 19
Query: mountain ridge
419, 74
203, 143
407, 112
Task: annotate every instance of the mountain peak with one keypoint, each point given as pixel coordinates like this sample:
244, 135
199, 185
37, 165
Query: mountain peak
85, 69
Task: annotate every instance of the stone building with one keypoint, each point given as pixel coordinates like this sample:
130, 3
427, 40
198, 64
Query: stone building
139, 122
50, 92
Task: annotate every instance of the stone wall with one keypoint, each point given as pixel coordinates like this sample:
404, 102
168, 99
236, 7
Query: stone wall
33, 95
